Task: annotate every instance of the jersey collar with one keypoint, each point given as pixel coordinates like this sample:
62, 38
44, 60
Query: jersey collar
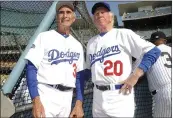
65, 35
102, 34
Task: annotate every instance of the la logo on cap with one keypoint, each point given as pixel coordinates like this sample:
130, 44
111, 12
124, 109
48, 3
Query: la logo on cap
157, 37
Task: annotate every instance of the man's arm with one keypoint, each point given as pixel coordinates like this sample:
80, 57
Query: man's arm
78, 109
148, 60
31, 77
82, 76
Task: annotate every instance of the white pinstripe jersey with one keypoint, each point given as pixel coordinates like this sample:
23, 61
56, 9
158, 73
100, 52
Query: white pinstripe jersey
160, 73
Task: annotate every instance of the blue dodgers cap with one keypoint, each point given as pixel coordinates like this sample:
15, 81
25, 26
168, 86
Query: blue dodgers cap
100, 4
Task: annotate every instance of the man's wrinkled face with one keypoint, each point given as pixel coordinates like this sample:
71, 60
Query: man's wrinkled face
65, 16
102, 17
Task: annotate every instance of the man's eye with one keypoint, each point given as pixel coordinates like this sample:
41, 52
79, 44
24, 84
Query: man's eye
60, 12
63, 12
68, 12
97, 13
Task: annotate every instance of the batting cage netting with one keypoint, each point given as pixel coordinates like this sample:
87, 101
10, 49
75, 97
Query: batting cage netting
19, 21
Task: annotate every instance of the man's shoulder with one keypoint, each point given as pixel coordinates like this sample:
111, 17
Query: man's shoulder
123, 30
163, 46
92, 39
47, 32
76, 41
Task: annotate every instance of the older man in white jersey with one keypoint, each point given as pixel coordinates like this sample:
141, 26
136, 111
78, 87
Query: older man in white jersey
53, 62
159, 77
109, 57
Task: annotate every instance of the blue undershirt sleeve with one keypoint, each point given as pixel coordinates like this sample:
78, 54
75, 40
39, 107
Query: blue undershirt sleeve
81, 77
149, 59
31, 77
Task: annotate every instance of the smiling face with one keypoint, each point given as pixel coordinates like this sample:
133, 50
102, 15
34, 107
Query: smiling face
102, 17
65, 17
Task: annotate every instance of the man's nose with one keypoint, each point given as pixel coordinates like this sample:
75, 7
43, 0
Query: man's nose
100, 14
65, 14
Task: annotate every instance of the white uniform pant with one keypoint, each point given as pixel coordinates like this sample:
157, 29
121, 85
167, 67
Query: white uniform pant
162, 102
112, 104
56, 103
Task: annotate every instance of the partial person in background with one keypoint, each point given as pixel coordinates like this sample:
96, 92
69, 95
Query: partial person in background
160, 79
53, 63
109, 59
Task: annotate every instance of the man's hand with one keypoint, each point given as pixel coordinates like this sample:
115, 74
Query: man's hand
77, 111
38, 109
131, 81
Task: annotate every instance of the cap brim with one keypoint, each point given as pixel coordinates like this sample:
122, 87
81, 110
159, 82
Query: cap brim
97, 5
69, 5
155, 39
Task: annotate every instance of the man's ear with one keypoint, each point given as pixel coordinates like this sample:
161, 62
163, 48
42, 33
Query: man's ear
74, 17
165, 41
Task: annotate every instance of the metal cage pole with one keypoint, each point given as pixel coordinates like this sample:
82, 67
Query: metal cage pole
18, 68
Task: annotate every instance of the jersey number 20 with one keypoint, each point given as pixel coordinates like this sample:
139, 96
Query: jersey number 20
117, 68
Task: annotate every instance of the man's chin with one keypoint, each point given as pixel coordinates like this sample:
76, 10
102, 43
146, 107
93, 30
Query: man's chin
66, 25
102, 26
